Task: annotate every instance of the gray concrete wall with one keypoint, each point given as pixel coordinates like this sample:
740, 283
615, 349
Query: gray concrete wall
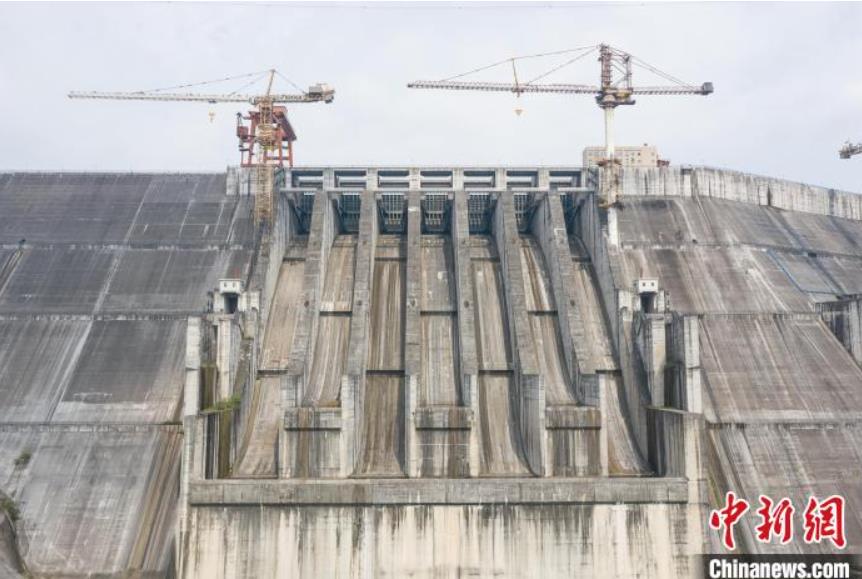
528, 382
412, 333
353, 383
617, 301
467, 362
558, 540
742, 187
844, 318
549, 229
93, 313
324, 227
100, 492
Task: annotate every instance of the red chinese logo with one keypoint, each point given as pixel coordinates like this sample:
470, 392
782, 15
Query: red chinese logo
776, 519
825, 520
727, 517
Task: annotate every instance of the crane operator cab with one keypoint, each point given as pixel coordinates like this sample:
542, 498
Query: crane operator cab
322, 91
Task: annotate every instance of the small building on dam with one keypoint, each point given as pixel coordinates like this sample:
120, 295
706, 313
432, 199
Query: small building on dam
420, 372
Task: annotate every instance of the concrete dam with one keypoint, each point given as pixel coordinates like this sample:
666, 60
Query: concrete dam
426, 372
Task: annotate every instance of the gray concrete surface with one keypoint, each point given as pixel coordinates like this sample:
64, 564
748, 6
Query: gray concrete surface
781, 389
463, 402
97, 275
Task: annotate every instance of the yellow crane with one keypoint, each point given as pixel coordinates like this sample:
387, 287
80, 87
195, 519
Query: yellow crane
266, 142
615, 87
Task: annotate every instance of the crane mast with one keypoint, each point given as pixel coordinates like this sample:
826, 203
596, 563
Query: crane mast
266, 136
265, 143
614, 89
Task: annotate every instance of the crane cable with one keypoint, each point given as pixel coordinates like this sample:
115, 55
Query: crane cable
258, 76
565, 64
513, 59
588, 50
255, 80
664, 75
205, 82
293, 84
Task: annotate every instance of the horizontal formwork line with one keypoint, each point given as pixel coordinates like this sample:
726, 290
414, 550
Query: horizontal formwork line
791, 315
89, 426
120, 316
803, 252
443, 492
793, 423
396, 188
50, 245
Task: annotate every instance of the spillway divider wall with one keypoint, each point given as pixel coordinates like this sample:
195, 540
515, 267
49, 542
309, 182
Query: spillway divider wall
294, 383
593, 228
577, 435
320, 238
443, 421
549, 229
465, 319
354, 381
528, 381
412, 333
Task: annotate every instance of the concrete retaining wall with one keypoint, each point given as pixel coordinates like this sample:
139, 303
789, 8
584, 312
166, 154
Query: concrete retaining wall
743, 187
554, 540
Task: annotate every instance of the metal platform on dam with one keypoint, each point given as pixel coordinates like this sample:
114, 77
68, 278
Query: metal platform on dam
419, 371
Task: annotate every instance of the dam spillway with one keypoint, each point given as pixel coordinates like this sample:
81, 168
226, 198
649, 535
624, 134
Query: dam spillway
479, 371
502, 453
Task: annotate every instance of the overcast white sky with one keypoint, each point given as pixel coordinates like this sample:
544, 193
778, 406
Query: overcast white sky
788, 83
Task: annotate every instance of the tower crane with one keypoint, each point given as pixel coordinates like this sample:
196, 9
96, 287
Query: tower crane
849, 149
615, 87
265, 143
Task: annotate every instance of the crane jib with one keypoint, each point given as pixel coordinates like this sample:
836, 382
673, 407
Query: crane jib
191, 97
615, 89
